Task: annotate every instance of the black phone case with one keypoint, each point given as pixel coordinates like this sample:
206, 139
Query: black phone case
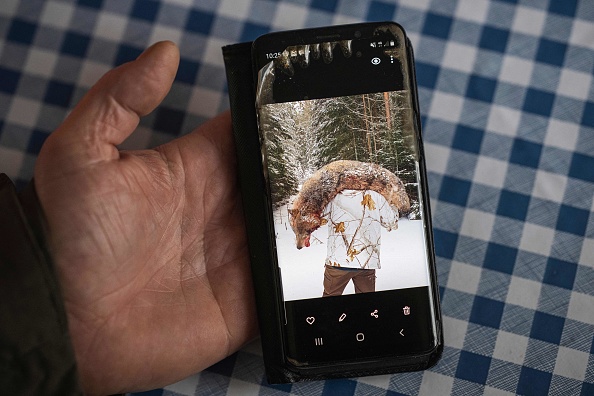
242, 97
268, 291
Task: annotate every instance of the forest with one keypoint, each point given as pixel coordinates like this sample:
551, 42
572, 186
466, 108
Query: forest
300, 137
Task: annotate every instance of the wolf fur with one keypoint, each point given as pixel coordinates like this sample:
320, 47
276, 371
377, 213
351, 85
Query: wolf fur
328, 181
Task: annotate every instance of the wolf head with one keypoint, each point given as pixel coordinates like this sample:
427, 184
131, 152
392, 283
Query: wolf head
303, 225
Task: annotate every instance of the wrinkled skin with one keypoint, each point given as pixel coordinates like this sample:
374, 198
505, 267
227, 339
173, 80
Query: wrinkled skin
149, 246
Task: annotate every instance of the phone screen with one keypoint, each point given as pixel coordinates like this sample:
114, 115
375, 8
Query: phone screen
342, 157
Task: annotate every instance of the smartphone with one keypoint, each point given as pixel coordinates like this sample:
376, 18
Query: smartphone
347, 242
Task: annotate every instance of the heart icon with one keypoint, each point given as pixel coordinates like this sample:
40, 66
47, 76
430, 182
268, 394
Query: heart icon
310, 319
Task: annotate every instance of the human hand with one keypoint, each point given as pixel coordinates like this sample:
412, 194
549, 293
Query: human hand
149, 246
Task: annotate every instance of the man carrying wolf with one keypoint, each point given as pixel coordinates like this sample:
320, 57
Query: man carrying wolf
355, 219
356, 199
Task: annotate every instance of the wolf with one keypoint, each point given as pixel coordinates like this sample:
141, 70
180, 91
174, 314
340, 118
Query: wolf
328, 181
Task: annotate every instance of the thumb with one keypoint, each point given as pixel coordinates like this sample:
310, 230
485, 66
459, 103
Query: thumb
112, 108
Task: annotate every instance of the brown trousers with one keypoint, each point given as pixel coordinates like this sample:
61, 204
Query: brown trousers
335, 280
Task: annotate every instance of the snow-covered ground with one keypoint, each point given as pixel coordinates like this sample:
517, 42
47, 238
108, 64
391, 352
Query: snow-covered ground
403, 259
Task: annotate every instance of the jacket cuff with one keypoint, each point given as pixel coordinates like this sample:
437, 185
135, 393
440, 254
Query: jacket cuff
36, 354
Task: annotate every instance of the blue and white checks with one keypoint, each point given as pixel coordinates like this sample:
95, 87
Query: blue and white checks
507, 97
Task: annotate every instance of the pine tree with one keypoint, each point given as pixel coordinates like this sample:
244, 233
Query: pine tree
277, 131
303, 136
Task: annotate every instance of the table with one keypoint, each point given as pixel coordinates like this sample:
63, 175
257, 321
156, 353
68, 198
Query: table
507, 101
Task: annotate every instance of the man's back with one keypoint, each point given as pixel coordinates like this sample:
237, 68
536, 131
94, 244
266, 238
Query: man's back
355, 219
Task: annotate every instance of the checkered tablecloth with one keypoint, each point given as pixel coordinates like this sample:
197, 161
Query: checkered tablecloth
507, 98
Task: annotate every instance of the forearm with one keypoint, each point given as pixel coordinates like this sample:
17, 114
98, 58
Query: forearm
36, 355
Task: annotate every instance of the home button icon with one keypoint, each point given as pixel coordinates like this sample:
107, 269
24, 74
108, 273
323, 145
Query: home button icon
360, 337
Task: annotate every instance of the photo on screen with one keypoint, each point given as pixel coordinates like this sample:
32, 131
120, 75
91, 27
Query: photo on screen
344, 184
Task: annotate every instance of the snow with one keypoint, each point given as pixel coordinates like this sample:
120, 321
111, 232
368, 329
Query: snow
403, 259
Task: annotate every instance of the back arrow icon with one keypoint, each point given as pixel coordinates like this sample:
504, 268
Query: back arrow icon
401, 332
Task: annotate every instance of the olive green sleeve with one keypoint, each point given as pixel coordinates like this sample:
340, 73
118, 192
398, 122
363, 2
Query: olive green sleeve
36, 355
